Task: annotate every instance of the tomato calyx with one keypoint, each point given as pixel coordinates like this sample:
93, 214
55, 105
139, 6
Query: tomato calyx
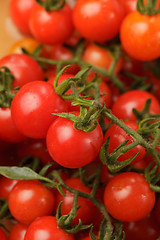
87, 119
65, 221
150, 8
51, 5
7, 92
152, 175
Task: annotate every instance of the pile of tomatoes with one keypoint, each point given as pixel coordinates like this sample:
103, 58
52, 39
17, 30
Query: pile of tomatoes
79, 121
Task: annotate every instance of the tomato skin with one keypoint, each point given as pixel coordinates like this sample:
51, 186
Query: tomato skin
41, 22
128, 197
29, 200
45, 228
125, 103
140, 36
29, 44
93, 19
23, 67
118, 136
100, 57
86, 210
6, 186
32, 106
8, 131
129, 5
70, 147
20, 11
35, 148
18, 231
144, 229
3, 235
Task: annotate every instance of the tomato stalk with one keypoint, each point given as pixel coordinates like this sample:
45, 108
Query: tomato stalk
150, 8
7, 92
76, 60
51, 5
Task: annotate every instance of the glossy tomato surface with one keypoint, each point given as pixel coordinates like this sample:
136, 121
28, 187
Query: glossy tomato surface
93, 18
29, 200
70, 147
128, 197
46, 228
32, 106
140, 36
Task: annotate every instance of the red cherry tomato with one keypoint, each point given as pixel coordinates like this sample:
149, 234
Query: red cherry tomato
70, 147
86, 210
60, 21
140, 36
6, 186
94, 19
100, 57
144, 229
20, 11
3, 235
118, 135
128, 197
35, 148
46, 228
8, 131
18, 231
29, 200
129, 5
125, 103
32, 106
23, 67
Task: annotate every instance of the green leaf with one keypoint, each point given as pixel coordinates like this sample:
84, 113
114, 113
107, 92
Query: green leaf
22, 173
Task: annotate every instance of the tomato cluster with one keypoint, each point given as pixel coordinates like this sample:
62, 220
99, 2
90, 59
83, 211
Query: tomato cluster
79, 121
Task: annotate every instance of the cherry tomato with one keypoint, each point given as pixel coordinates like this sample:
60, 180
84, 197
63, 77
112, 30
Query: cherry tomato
144, 229
6, 186
35, 148
94, 19
59, 52
23, 67
29, 44
125, 103
18, 231
46, 228
32, 106
128, 197
8, 131
86, 210
129, 5
100, 57
20, 11
29, 200
70, 147
118, 135
3, 235
140, 36
60, 21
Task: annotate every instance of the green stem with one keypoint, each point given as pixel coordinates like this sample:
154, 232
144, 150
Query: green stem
76, 60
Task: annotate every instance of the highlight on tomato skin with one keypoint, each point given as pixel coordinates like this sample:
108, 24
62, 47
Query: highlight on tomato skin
126, 190
32, 106
25, 196
46, 227
92, 19
79, 147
